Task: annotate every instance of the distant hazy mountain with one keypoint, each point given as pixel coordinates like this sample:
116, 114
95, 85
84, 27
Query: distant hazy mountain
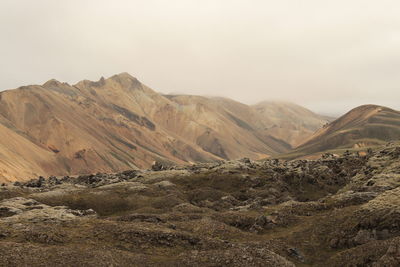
118, 123
364, 126
290, 122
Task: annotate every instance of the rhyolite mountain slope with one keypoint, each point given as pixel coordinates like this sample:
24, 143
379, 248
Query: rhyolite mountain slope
221, 116
119, 123
289, 122
362, 127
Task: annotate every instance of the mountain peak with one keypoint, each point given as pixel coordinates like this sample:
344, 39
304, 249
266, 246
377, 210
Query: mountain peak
52, 83
368, 108
122, 76
126, 80
361, 113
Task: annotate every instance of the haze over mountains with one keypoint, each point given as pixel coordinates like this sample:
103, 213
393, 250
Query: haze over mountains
119, 123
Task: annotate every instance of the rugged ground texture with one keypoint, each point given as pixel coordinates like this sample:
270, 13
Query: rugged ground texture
336, 211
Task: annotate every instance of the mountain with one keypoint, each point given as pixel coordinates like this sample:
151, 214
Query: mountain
118, 123
102, 126
362, 127
221, 116
290, 122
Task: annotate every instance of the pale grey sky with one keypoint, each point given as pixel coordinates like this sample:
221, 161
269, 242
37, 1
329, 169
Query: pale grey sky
327, 55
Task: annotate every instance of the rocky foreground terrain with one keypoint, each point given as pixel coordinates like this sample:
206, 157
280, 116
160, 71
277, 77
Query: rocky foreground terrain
335, 211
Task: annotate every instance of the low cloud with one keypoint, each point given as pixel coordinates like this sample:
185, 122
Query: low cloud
327, 55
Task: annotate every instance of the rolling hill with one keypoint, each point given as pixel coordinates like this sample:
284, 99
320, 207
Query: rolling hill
360, 128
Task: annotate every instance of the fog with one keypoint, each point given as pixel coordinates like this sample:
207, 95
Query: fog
329, 56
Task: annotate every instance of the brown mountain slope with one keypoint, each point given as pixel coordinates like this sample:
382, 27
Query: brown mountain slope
118, 123
76, 129
289, 122
193, 119
364, 126
228, 124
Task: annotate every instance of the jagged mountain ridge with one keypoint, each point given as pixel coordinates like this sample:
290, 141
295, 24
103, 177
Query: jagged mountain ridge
119, 123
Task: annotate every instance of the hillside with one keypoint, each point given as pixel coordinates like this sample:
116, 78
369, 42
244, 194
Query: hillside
74, 129
289, 122
363, 127
231, 114
118, 123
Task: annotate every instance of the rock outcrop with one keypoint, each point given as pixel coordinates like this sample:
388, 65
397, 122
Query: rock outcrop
339, 210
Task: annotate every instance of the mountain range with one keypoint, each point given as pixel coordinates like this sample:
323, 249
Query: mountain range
118, 123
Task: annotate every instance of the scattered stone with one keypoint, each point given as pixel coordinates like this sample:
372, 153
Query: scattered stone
336, 210
295, 253
20, 209
157, 166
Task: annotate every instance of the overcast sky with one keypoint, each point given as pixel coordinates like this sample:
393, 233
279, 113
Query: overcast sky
327, 55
